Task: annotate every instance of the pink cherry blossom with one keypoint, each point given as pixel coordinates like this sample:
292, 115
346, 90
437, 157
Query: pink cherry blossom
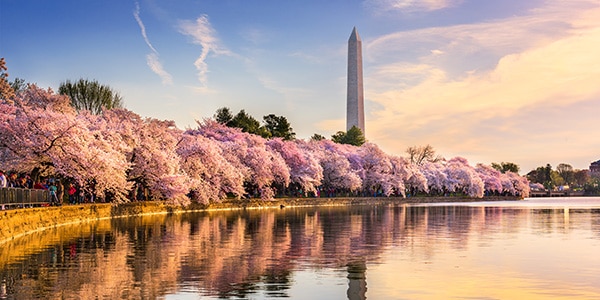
211, 175
337, 171
262, 166
305, 169
463, 178
114, 154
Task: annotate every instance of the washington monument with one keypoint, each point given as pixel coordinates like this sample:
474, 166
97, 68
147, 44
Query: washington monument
355, 107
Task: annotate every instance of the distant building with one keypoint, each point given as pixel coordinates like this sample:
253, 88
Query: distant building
595, 167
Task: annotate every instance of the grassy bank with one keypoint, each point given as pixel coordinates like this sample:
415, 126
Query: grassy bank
19, 222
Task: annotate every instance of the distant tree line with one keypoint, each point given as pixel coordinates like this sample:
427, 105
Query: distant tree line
565, 175
279, 127
274, 126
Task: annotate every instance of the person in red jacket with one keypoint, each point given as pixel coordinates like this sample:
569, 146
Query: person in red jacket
72, 190
38, 186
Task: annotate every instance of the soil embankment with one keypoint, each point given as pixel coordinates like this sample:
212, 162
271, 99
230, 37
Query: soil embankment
19, 222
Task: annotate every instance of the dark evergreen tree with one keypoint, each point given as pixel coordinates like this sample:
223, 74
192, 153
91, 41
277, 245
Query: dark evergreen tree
248, 124
317, 137
224, 116
278, 126
353, 136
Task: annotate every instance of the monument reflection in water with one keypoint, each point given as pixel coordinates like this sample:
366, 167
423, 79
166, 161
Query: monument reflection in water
379, 252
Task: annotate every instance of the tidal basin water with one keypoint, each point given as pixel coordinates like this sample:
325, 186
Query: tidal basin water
536, 248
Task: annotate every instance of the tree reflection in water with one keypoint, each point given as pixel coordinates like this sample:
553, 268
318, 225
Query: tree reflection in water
240, 254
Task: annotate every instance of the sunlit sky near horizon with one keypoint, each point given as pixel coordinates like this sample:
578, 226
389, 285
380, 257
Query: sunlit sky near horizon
491, 81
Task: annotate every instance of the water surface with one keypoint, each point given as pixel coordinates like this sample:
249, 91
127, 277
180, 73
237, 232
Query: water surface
539, 248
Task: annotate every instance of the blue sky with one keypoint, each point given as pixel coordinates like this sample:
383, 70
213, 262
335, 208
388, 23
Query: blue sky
487, 80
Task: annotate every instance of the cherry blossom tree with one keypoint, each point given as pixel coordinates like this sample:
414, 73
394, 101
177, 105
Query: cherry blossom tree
436, 176
491, 178
337, 171
520, 184
413, 178
156, 163
150, 147
536, 186
36, 139
29, 135
35, 97
211, 176
262, 166
305, 169
95, 161
507, 185
378, 171
463, 178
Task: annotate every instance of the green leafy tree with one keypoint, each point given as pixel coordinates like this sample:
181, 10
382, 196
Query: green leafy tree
592, 187
278, 126
506, 167
90, 95
544, 176
566, 173
581, 177
353, 136
547, 171
556, 179
534, 176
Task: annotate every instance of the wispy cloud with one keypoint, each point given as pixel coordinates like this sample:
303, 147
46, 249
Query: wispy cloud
203, 34
487, 88
152, 59
409, 5
136, 15
156, 67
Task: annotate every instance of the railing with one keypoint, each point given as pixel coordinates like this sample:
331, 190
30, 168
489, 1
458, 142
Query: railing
17, 197
544, 193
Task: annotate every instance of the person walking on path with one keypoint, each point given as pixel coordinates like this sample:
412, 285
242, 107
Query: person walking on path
53, 198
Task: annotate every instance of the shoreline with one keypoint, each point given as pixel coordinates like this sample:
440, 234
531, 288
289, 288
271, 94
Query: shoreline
16, 223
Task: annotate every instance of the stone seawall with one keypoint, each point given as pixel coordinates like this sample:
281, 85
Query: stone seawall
19, 222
